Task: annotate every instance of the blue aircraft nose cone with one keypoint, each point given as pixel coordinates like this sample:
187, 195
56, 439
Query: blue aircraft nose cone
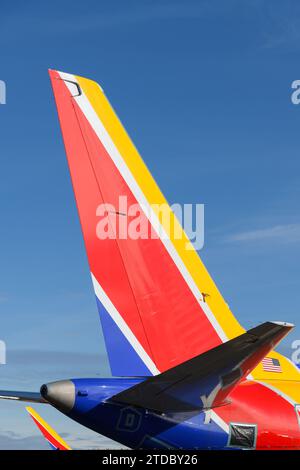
60, 394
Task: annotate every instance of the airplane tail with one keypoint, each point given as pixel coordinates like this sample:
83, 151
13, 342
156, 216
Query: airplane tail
206, 381
54, 440
158, 305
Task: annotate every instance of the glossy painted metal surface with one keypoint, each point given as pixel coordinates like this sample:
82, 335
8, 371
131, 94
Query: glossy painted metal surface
207, 380
150, 297
55, 441
138, 276
126, 275
250, 403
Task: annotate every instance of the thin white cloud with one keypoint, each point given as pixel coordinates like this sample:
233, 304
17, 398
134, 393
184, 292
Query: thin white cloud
9, 442
289, 233
92, 441
281, 29
101, 20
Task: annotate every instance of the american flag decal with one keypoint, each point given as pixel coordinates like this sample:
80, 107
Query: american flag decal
271, 365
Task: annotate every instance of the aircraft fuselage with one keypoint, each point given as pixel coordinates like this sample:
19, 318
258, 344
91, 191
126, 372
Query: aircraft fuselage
272, 418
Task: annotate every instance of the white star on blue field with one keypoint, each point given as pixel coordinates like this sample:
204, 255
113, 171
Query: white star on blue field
204, 89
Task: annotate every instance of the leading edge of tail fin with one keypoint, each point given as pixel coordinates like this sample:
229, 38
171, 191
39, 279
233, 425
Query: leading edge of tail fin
149, 291
54, 440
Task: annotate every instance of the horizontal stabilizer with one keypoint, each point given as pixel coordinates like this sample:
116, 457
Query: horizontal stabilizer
205, 381
30, 397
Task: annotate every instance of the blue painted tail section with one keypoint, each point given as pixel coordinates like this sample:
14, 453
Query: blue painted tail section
137, 428
121, 354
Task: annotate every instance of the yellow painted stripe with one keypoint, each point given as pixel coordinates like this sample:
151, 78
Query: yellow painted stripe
190, 257
154, 196
289, 371
291, 388
45, 425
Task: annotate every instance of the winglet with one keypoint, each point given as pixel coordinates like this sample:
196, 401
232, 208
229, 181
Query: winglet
51, 436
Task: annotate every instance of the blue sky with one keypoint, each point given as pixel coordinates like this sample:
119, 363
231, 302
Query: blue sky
203, 87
